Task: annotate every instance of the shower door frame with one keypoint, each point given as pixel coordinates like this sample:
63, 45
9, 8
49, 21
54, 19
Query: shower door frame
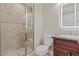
26, 27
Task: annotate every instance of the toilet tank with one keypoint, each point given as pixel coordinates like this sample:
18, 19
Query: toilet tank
48, 40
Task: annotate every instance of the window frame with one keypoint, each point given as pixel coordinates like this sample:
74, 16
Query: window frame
75, 16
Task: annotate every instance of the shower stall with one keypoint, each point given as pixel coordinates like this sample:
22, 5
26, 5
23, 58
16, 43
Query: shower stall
16, 29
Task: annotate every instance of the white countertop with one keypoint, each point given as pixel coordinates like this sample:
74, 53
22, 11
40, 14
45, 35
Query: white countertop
69, 37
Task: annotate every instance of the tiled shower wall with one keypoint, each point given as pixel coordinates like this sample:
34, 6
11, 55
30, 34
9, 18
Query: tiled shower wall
70, 32
12, 20
67, 31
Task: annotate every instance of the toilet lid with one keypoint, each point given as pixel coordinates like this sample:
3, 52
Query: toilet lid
42, 48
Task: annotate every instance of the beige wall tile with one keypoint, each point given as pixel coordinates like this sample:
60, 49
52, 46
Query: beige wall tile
12, 37
12, 13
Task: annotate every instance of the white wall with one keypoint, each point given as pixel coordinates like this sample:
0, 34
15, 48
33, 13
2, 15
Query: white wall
46, 20
38, 25
50, 19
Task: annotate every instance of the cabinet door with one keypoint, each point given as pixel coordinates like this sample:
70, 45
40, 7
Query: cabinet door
74, 54
60, 51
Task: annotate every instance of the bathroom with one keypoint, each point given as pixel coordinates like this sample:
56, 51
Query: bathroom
24, 27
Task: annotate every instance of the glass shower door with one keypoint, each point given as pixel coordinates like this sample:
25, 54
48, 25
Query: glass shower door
16, 29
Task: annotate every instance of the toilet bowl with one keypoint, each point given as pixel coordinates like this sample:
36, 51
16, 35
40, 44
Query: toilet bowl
42, 50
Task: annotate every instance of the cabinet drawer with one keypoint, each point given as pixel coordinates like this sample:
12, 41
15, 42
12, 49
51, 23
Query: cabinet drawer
60, 52
67, 43
74, 53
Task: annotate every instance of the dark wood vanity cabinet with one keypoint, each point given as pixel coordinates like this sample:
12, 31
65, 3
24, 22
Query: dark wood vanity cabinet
60, 51
65, 47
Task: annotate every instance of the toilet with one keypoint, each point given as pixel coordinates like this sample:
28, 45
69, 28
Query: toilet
43, 49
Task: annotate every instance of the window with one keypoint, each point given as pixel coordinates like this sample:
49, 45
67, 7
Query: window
69, 17
77, 15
